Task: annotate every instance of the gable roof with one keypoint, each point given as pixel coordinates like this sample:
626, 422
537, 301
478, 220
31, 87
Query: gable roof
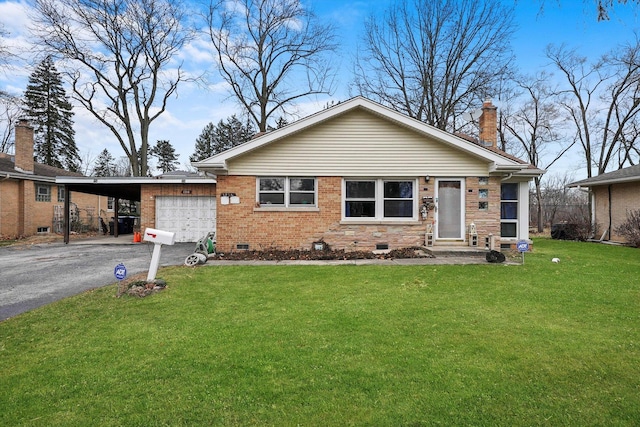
500, 161
629, 174
41, 172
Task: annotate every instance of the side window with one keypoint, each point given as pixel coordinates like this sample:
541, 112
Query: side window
43, 193
61, 193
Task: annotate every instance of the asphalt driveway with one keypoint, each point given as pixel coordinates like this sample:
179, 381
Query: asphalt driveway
34, 275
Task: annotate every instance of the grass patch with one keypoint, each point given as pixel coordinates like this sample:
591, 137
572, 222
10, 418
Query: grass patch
539, 344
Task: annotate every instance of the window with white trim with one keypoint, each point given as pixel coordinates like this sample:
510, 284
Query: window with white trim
287, 191
43, 193
509, 210
379, 199
111, 201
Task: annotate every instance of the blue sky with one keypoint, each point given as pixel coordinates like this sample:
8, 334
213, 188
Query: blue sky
560, 21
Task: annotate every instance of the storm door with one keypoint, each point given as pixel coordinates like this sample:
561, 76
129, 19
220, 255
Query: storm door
450, 209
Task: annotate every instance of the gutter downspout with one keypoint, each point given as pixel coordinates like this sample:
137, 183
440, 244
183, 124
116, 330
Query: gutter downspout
610, 212
504, 178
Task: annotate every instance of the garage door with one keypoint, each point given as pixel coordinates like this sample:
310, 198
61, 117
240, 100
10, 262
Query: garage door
191, 218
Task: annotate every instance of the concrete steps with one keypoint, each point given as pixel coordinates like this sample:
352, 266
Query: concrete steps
459, 251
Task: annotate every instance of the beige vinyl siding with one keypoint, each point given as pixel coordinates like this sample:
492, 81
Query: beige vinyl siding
358, 143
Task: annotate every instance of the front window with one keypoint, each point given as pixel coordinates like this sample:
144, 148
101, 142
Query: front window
43, 193
509, 210
360, 200
398, 199
287, 192
111, 203
379, 199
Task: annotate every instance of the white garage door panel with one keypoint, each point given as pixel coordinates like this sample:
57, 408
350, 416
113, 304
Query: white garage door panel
191, 218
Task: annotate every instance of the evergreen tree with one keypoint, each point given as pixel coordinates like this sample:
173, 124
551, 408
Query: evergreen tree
166, 155
51, 115
226, 135
105, 164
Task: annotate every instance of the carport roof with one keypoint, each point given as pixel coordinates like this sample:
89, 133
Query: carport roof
127, 188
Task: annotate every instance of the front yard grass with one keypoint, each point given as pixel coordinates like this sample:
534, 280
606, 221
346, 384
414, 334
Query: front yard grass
486, 345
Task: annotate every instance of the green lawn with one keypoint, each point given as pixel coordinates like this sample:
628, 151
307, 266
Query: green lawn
485, 345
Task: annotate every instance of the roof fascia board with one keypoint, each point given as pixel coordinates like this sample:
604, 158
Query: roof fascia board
582, 183
130, 180
26, 177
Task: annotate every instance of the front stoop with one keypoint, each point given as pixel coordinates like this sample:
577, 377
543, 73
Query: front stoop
461, 251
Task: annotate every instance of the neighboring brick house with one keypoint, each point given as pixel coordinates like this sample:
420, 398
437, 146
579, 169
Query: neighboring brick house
29, 196
613, 194
362, 176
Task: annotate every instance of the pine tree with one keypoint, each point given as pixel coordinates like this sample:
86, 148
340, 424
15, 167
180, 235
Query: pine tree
226, 135
50, 113
105, 164
166, 155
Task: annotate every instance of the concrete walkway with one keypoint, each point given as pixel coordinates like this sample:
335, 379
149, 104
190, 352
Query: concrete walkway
444, 255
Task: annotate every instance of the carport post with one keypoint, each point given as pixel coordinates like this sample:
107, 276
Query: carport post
67, 206
116, 208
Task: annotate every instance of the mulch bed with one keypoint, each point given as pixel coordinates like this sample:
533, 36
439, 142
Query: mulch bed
308, 255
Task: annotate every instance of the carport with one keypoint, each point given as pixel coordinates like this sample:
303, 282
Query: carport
181, 185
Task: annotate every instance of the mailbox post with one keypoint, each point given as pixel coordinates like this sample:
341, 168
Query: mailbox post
158, 238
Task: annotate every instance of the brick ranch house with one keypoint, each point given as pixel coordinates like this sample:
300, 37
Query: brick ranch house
362, 176
613, 194
30, 200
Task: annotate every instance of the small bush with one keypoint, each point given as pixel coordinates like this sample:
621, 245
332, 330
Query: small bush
576, 227
630, 229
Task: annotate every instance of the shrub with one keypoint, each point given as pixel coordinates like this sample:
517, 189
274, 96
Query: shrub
577, 226
630, 229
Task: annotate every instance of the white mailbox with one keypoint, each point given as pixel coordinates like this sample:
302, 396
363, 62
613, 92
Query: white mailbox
159, 236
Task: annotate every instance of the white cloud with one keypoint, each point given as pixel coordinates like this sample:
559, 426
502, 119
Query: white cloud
14, 16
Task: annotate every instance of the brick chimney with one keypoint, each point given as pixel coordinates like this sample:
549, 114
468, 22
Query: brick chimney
489, 124
24, 147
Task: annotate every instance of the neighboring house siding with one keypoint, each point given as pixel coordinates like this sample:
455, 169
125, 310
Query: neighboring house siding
248, 224
624, 197
357, 143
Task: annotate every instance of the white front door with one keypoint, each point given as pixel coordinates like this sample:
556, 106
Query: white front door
450, 197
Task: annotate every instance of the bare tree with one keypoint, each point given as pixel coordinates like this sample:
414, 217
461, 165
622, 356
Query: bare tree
602, 100
271, 53
602, 6
122, 55
536, 126
435, 59
561, 203
10, 113
5, 52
